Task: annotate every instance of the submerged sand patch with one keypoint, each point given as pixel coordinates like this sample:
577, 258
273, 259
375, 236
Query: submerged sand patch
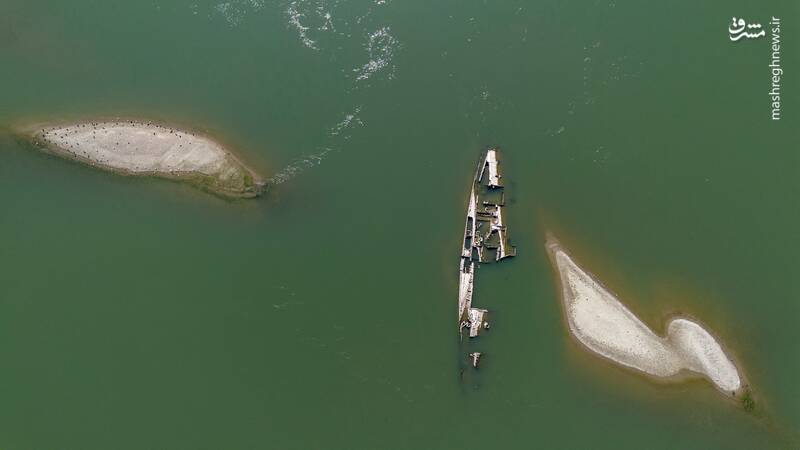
605, 326
148, 149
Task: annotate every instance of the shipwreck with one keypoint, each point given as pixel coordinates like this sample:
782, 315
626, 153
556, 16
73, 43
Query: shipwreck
485, 241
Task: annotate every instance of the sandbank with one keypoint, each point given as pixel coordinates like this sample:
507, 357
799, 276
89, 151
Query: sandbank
142, 148
605, 326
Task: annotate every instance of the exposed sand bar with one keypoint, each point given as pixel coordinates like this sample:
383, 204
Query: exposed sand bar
143, 148
605, 326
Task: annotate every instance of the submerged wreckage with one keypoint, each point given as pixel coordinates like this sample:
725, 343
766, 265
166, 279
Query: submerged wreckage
485, 240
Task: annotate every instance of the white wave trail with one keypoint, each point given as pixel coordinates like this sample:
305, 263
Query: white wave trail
298, 166
295, 17
350, 121
234, 11
380, 47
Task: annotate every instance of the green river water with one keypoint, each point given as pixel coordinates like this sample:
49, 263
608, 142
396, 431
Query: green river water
145, 314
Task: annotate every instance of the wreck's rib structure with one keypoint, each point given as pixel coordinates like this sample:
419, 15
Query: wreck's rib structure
485, 240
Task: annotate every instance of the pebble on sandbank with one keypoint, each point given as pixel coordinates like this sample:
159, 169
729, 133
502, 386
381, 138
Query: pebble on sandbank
142, 148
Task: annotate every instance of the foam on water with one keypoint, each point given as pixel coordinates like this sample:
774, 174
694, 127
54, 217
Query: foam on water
327, 26
299, 165
350, 121
341, 130
296, 18
322, 26
380, 47
235, 11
